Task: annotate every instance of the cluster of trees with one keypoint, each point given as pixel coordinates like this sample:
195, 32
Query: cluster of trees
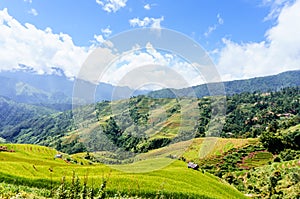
277, 142
139, 110
204, 118
133, 141
249, 114
70, 147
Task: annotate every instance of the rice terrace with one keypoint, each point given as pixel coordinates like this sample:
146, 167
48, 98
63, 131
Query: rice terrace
147, 99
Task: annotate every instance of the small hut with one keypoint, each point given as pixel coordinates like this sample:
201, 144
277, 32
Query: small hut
193, 166
58, 156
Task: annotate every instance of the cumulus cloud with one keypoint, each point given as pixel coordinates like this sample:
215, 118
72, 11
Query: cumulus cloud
45, 52
33, 12
150, 66
101, 38
111, 5
146, 22
42, 50
211, 29
280, 51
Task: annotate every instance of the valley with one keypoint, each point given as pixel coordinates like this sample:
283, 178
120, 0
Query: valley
140, 147
149, 99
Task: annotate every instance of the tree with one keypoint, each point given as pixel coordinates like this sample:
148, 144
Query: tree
272, 142
273, 181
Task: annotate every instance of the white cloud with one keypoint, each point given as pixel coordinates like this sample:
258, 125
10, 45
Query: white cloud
276, 6
156, 22
40, 49
280, 51
111, 5
149, 66
99, 38
29, 1
33, 12
146, 22
147, 7
24, 44
107, 31
211, 29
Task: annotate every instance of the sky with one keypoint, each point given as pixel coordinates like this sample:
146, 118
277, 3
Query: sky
244, 38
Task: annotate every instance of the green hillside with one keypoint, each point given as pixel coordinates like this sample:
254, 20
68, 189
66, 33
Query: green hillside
140, 124
153, 139
13, 113
30, 166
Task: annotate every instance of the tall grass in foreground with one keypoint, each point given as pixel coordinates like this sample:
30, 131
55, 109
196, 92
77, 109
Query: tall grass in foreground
78, 189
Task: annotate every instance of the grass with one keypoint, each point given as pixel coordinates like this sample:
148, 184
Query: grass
215, 148
190, 149
259, 159
18, 191
291, 129
30, 165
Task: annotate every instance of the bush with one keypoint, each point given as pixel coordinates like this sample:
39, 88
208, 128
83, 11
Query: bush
277, 159
289, 154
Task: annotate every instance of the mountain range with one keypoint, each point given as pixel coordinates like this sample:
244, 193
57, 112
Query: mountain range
56, 90
258, 84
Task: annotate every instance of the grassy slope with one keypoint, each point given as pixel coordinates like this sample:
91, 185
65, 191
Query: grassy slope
31, 162
191, 149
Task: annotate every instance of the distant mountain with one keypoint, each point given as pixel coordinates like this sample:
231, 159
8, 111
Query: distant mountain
54, 83
258, 84
20, 91
56, 90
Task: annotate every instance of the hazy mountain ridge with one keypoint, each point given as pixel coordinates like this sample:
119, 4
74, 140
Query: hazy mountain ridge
258, 84
23, 92
49, 90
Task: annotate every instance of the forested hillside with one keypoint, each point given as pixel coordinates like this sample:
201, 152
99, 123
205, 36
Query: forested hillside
134, 130
13, 113
141, 123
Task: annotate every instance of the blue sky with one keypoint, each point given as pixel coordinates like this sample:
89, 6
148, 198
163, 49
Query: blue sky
245, 38
242, 19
